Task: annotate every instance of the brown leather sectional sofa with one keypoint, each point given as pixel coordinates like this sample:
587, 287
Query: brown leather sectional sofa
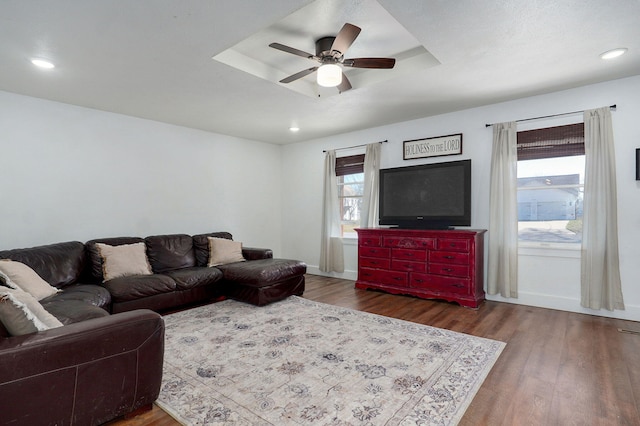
106, 361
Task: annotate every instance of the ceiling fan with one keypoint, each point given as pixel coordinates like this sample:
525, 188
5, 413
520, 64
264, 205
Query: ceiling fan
330, 53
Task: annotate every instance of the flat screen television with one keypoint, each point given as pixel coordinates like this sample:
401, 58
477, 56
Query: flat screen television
426, 196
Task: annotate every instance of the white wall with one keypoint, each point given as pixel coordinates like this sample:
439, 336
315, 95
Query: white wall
543, 281
72, 173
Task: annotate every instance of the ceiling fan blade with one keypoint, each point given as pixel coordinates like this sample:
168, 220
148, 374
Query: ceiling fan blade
292, 50
345, 38
370, 63
298, 75
345, 85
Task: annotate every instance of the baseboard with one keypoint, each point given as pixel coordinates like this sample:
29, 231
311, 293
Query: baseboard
631, 312
346, 275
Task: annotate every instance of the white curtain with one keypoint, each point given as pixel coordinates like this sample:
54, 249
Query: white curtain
369, 212
331, 251
600, 272
503, 217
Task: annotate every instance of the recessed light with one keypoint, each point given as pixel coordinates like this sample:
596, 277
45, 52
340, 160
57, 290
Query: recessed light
614, 53
42, 63
294, 129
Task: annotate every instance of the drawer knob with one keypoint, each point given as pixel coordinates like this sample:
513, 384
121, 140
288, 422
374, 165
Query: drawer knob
449, 257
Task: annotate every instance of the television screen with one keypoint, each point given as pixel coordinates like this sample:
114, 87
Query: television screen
426, 196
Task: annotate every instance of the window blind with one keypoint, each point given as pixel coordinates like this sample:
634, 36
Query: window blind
350, 165
558, 141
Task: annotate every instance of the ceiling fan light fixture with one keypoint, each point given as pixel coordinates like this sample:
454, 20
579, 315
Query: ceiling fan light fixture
329, 75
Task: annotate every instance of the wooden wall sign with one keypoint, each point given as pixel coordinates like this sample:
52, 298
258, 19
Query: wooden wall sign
432, 147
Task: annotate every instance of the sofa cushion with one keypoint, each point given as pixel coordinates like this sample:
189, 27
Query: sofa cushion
58, 264
21, 313
124, 260
18, 275
223, 251
71, 311
201, 246
95, 259
139, 286
187, 278
169, 252
263, 272
94, 295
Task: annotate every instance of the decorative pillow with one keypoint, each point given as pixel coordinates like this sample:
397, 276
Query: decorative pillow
124, 260
18, 275
5, 281
22, 314
222, 250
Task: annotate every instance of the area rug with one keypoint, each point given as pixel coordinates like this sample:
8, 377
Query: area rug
302, 362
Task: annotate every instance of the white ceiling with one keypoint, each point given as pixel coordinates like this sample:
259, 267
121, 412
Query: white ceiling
153, 58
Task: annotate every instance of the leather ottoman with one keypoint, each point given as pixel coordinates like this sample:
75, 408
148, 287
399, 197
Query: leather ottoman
264, 281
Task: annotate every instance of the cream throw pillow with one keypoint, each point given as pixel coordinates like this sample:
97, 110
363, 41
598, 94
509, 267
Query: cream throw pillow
18, 275
5, 281
22, 314
222, 250
124, 260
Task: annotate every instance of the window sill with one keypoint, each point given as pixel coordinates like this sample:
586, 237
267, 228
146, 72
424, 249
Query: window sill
350, 241
540, 249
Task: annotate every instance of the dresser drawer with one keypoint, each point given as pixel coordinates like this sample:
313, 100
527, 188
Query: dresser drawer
374, 262
452, 244
408, 266
404, 254
441, 284
449, 269
449, 257
373, 251
367, 241
410, 243
400, 279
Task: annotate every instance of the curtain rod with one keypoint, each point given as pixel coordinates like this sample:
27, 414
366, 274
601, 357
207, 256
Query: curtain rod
356, 146
613, 107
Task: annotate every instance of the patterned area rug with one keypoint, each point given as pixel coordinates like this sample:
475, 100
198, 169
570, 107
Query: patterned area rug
302, 362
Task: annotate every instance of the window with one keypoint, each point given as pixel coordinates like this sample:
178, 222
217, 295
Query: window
350, 173
551, 184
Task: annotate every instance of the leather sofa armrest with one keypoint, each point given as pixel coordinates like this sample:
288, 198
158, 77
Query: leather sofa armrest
253, 253
84, 373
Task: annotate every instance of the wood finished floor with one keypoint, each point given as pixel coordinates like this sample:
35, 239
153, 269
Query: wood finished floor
558, 368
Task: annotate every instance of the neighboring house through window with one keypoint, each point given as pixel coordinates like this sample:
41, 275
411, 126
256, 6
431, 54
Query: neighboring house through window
551, 165
350, 174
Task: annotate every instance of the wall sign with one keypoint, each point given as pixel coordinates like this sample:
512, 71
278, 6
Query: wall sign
432, 147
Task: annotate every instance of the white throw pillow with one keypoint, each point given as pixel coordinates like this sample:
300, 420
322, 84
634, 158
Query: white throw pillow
222, 251
5, 281
19, 275
22, 314
124, 260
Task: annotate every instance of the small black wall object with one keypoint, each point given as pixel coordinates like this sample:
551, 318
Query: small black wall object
637, 163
